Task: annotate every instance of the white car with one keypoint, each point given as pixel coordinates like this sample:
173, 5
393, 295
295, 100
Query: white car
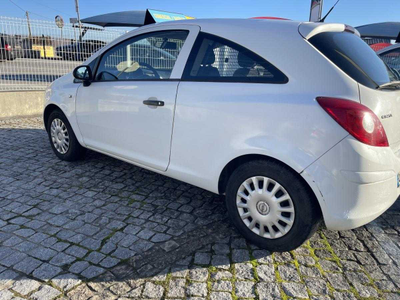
293, 122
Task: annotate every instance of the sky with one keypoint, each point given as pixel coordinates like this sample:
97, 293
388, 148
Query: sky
352, 12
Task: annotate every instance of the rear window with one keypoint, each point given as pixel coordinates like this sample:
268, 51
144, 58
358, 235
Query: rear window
354, 57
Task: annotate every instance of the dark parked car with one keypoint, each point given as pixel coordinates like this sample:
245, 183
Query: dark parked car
80, 50
391, 56
6, 48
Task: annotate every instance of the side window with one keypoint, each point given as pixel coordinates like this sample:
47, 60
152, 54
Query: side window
392, 59
149, 56
217, 59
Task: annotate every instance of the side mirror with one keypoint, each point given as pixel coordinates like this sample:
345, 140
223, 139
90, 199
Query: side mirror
83, 73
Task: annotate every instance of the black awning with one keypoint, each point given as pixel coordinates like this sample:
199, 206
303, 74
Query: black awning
387, 30
134, 18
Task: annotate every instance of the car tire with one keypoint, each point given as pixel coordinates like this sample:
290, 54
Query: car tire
276, 192
62, 138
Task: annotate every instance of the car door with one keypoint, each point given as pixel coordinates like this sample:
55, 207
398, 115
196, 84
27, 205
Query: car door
128, 109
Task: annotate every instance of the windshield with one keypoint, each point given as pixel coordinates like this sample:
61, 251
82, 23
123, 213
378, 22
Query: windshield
354, 57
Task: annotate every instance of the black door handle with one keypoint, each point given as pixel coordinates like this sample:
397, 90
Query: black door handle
153, 102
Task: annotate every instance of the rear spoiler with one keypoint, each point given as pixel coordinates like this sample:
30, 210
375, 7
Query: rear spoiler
309, 29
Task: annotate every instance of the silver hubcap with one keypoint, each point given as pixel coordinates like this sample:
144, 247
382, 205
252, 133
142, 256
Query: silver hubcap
59, 136
265, 207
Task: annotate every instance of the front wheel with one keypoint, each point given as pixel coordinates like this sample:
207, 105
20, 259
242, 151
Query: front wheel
271, 206
62, 138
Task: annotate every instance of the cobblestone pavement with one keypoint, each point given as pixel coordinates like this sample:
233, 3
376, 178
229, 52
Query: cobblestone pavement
104, 229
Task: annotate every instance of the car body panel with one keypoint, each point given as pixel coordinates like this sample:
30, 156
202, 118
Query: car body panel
357, 183
246, 123
310, 29
62, 94
112, 117
386, 105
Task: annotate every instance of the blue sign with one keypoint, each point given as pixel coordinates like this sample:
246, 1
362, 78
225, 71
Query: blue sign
163, 16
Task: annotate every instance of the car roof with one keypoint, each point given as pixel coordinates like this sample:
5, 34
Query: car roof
218, 22
266, 27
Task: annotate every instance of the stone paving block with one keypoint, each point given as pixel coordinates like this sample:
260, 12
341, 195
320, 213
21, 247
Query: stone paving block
45, 293
317, 286
198, 274
268, 291
78, 266
289, 273
109, 262
15, 258
76, 251
220, 261
24, 286
197, 289
92, 271
244, 271
365, 291
240, 256
123, 253
153, 291
343, 296
66, 282
202, 258
221, 286
6, 295
108, 248
177, 288
95, 257
90, 243
221, 248
62, 259
160, 237
42, 253
25, 246
27, 265
12, 241
244, 289
141, 246
338, 281
169, 246
46, 272
220, 296
60, 246
221, 275
266, 273
128, 240
297, 290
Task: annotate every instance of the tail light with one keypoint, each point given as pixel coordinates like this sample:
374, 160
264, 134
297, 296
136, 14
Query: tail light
8, 47
356, 119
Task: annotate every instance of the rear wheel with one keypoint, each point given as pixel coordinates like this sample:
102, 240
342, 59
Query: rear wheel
271, 206
62, 138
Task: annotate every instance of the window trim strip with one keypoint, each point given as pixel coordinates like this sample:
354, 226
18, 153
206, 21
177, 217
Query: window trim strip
192, 57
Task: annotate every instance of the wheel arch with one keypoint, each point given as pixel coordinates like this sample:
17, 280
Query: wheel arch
236, 162
47, 111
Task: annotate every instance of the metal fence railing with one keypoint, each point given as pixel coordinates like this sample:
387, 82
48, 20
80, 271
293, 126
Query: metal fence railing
35, 53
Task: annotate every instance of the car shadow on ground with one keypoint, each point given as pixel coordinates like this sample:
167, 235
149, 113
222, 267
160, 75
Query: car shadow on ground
100, 221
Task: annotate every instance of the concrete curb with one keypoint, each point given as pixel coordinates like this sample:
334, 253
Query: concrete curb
21, 104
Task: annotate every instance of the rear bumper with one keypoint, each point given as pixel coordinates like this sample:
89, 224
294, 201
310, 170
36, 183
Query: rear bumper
354, 183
